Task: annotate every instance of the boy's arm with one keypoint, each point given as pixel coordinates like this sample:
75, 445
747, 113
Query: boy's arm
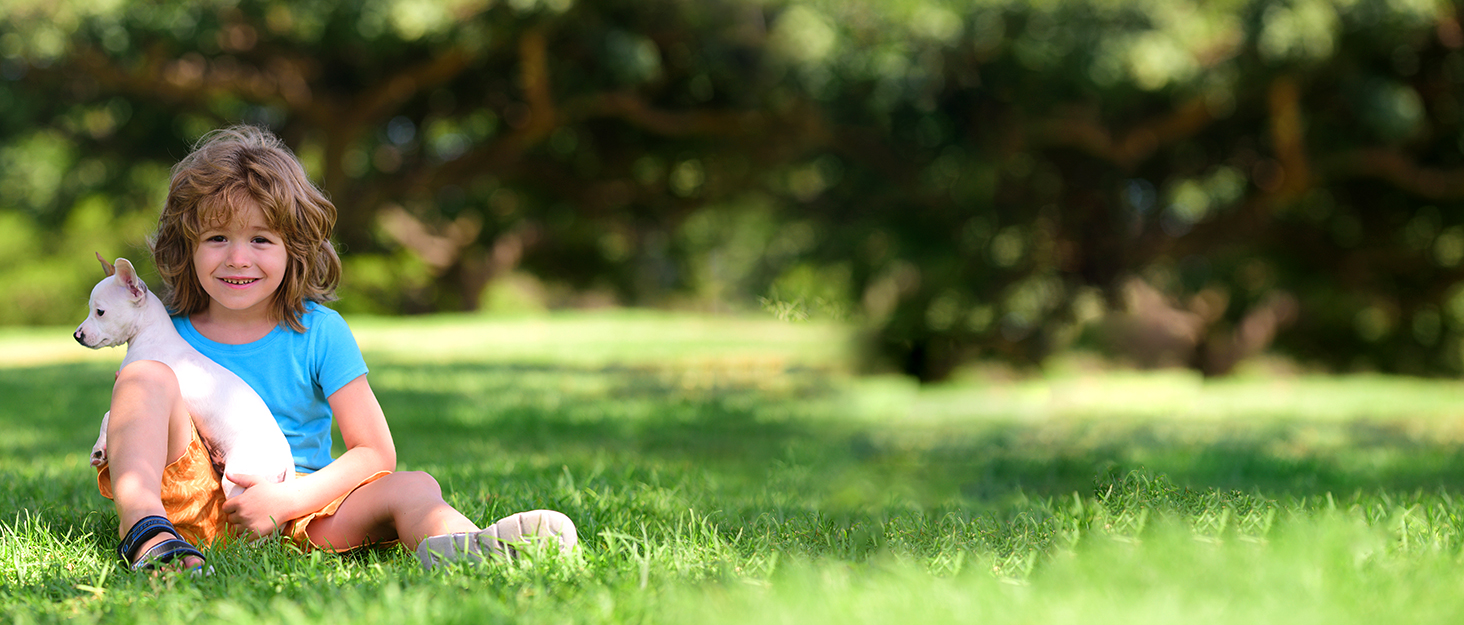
369, 448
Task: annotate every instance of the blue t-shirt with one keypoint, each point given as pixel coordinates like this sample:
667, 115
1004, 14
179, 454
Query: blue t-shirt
295, 373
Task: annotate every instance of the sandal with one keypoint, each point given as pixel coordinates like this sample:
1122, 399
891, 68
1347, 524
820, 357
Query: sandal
161, 553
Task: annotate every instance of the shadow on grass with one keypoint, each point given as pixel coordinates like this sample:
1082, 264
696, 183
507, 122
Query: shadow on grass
779, 432
524, 409
767, 432
54, 410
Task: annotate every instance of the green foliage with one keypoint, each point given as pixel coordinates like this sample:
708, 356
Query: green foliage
713, 485
50, 273
958, 174
380, 285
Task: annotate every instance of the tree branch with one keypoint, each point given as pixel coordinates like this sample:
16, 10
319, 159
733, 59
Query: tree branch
383, 98
1293, 177
634, 111
1086, 134
1398, 169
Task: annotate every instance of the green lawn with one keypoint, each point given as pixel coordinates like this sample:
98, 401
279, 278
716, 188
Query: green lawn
734, 471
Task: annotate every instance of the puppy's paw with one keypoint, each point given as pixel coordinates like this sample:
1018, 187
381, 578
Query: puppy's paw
99, 450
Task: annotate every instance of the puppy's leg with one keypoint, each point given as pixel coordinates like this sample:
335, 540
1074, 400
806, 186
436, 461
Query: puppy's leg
99, 450
239, 467
231, 489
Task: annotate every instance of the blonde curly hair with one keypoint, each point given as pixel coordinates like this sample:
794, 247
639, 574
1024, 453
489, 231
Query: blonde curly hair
228, 170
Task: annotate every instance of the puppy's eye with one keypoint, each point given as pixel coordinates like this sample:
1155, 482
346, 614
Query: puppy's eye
101, 312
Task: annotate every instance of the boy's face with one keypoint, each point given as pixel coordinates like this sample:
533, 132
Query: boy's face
241, 263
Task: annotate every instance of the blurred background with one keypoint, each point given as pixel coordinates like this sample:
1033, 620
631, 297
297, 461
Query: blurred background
1168, 182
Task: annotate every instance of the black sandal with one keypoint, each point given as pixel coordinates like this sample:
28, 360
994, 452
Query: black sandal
161, 553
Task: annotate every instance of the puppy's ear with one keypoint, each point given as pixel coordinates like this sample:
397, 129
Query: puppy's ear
106, 266
127, 277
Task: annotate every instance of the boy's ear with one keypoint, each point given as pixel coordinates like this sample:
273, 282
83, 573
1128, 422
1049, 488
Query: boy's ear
127, 277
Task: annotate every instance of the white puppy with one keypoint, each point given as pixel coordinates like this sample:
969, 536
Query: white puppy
237, 428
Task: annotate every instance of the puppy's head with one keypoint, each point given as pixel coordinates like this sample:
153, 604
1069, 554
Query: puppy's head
115, 307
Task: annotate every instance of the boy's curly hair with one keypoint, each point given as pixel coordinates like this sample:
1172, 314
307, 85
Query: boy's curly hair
228, 170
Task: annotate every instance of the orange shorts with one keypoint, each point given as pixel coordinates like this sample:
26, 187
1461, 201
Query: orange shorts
193, 497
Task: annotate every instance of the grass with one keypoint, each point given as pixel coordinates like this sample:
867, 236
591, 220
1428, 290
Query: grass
732, 471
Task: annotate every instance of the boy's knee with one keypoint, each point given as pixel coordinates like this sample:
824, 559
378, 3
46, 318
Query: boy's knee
149, 374
419, 482
148, 389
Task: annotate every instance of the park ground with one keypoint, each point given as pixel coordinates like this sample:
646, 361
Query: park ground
735, 470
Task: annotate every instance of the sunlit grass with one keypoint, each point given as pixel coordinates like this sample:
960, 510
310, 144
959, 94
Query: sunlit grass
605, 337
733, 470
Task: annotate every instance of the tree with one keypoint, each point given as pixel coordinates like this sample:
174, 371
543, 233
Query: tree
972, 178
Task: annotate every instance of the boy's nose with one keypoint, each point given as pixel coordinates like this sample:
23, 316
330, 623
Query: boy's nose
238, 256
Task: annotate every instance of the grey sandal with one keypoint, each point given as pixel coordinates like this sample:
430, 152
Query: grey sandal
501, 539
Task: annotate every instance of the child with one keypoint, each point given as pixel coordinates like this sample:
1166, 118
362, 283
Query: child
242, 246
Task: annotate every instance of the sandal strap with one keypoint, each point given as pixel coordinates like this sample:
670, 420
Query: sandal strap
141, 532
165, 552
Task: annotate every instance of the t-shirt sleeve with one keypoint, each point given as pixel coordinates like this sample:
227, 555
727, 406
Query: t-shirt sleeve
337, 357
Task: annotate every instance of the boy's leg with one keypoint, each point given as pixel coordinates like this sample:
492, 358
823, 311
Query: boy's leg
406, 506
149, 429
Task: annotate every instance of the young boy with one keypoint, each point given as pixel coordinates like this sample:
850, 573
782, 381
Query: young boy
243, 247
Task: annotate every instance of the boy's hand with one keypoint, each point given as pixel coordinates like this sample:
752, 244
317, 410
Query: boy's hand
261, 508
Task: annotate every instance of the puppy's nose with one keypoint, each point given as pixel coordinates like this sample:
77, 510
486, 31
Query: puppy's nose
79, 336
